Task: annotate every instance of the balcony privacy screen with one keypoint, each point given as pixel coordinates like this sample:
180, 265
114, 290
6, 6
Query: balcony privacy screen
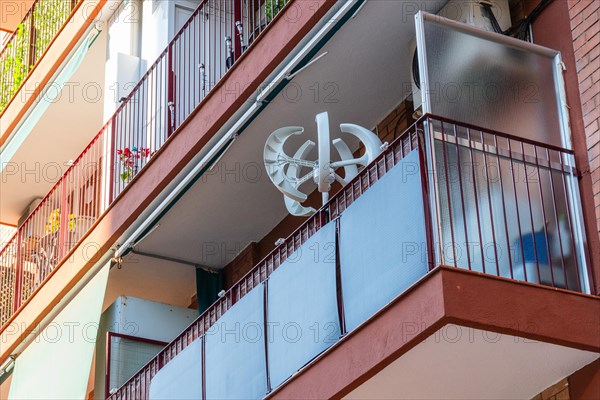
489, 80
67, 344
382, 251
182, 377
302, 306
235, 351
382, 242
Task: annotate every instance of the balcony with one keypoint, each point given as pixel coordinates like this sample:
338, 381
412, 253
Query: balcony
370, 243
28, 43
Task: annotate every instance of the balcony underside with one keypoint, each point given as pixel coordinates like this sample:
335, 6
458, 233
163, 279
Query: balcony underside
363, 76
13, 13
36, 158
457, 362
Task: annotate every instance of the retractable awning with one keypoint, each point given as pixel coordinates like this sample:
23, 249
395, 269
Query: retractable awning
56, 365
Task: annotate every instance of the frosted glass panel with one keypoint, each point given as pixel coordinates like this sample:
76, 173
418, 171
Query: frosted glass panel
382, 242
302, 312
491, 215
181, 378
490, 81
235, 351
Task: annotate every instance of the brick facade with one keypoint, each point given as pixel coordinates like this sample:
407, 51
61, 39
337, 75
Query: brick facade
585, 27
558, 391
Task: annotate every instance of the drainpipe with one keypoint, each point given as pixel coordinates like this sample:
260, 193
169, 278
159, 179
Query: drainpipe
136, 29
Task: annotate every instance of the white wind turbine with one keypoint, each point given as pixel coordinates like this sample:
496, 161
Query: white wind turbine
286, 172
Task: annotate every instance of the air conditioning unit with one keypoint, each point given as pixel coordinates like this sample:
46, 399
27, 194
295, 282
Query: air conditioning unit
470, 12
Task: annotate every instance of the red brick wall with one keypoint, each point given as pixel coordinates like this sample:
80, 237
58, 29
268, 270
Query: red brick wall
558, 391
585, 27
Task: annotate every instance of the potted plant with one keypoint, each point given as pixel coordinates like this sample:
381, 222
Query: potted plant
53, 224
272, 7
131, 161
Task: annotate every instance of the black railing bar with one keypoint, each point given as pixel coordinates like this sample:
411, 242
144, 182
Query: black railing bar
504, 153
501, 134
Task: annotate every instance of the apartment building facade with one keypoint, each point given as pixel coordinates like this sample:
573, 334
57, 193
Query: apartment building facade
300, 199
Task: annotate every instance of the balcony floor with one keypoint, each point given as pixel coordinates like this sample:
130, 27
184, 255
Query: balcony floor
458, 334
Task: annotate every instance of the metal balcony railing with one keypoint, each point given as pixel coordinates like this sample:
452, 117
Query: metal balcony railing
507, 206
28, 43
504, 201
207, 45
